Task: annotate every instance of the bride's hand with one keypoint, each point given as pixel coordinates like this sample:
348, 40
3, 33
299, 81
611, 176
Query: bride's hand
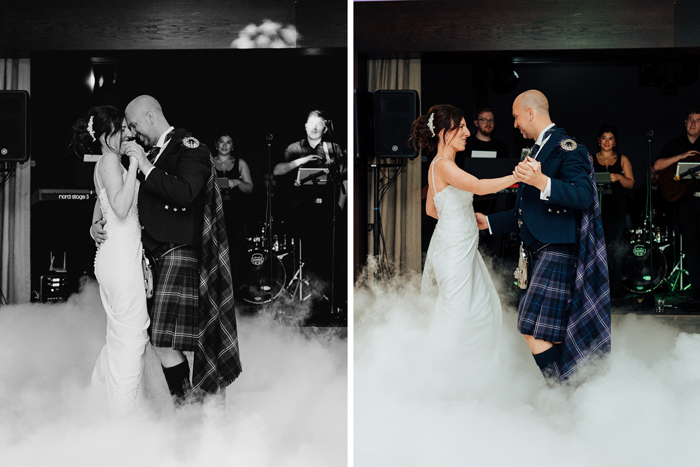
134, 160
481, 222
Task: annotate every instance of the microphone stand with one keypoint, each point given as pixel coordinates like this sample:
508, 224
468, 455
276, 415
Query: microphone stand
313, 178
335, 179
647, 225
268, 208
692, 172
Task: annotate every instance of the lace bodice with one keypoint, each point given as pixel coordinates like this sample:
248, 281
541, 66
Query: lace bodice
456, 212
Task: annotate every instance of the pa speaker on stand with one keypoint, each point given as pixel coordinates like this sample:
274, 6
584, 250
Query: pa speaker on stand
394, 113
14, 126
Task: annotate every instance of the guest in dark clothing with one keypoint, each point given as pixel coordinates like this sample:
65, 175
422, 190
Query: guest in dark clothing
684, 194
483, 138
612, 206
236, 185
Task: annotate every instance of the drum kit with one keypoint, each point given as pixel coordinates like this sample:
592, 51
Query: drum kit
273, 265
646, 257
273, 262
646, 254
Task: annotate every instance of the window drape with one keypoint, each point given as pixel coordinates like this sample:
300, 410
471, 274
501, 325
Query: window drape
15, 202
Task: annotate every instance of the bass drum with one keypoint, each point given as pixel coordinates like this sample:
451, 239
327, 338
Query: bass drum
643, 267
264, 277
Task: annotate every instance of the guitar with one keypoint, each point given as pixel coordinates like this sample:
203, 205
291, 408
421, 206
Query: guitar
671, 189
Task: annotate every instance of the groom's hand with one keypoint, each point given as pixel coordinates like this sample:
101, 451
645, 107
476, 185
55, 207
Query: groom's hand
529, 172
481, 221
98, 233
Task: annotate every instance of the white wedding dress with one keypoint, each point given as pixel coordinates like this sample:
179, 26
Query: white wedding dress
466, 323
120, 364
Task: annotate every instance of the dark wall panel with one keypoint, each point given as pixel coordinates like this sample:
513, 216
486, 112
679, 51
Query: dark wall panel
512, 25
32, 25
687, 32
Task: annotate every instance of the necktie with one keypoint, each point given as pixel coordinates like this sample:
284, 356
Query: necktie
536, 147
153, 153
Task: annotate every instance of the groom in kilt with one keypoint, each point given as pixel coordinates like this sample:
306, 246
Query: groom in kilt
564, 311
183, 229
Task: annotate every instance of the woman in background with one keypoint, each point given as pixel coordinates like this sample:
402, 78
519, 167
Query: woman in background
614, 212
236, 185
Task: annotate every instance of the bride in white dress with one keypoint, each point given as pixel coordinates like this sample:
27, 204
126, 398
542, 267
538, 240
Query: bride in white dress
120, 364
467, 318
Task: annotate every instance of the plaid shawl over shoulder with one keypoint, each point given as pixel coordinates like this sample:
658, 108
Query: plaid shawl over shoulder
588, 329
216, 361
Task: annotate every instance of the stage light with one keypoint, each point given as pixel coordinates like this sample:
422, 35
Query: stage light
505, 78
91, 80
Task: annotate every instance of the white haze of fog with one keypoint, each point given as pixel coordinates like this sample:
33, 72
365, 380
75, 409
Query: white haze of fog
642, 409
288, 407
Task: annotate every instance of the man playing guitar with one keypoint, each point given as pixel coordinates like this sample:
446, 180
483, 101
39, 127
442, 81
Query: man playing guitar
684, 194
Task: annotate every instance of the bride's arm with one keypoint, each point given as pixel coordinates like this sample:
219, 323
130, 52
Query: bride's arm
119, 192
453, 175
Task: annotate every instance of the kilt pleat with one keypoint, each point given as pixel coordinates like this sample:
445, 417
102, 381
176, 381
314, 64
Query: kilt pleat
544, 306
174, 313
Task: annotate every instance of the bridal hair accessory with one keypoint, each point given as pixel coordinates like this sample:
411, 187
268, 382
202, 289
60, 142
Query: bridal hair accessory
90, 130
431, 125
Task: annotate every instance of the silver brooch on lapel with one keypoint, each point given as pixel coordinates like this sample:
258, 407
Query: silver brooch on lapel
568, 145
190, 142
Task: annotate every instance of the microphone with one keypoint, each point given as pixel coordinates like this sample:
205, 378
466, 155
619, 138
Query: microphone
691, 172
269, 137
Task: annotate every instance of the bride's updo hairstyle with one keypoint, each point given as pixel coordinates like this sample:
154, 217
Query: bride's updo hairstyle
101, 120
444, 117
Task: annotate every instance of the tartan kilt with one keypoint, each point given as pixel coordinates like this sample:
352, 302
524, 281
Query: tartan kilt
545, 305
175, 304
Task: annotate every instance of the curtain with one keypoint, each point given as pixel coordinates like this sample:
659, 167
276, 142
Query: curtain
15, 278
400, 209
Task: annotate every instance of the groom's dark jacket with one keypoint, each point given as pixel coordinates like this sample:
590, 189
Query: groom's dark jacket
567, 163
171, 198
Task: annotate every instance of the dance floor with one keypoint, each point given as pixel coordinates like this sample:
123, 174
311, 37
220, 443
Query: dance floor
639, 408
288, 407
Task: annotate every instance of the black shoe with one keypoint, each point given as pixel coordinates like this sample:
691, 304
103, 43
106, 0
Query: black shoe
551, 376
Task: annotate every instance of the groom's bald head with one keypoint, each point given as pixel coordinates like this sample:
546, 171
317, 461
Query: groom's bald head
144, 117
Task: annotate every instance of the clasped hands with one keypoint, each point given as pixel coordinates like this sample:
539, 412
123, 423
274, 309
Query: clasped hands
136, 153
529, 171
